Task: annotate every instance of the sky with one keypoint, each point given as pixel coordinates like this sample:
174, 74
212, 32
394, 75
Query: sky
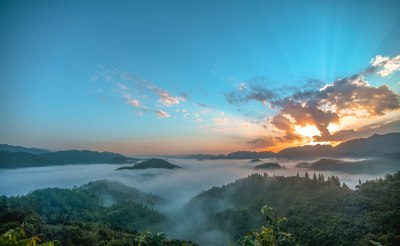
178, 77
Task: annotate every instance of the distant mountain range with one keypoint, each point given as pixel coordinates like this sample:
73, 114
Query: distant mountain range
11, 148
374, 146
378, 165
14, 159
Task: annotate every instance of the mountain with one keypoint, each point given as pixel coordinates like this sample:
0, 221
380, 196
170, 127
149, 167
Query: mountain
23, 159
152, 163
97, 213
369, 166
113, 192
86, 157
303, 164
330, 164
250, 155
375, 145
318, 211
372, 146
12, 148
307, 151
199, 156
268, 165
234, 155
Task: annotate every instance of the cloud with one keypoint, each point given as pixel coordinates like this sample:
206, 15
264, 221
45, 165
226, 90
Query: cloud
254, 92
262, 142
204, 105
164, 96
133, 88
135, 103
167, 100
221, 120
122, 87
242, 86
328, 105
283, 123
386, 64
319, 106
184, 96
162, 114
342, 135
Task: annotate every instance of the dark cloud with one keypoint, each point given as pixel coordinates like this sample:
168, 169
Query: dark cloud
204, 105
184, 95
284, 124
356, 93
254, 92
342, 135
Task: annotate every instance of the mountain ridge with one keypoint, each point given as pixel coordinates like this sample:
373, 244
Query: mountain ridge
24, 159
373, 146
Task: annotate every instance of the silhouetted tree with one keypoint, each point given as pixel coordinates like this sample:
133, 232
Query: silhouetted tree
314, 177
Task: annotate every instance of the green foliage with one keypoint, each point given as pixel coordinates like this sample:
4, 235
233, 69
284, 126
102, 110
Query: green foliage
271, 235
319, 212
17, 237
80, 216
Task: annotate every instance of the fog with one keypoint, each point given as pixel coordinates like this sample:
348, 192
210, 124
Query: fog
177, 186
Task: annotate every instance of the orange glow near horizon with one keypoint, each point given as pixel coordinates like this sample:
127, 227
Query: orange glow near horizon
308, 131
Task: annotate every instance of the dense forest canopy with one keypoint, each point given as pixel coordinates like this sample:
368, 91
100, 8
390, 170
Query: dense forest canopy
319, 211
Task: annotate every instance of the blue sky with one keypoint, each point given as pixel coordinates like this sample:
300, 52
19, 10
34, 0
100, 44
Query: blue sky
155, 76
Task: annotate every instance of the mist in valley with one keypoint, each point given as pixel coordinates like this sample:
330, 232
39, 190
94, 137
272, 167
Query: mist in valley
176, 186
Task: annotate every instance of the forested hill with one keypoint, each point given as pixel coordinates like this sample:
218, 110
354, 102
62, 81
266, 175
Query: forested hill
12, 148
373, 146
98, 213
24, 159
320, 211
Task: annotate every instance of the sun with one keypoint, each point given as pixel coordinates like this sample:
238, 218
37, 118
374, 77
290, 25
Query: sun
308, 131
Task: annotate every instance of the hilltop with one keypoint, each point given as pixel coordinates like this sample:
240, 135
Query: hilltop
151, 163
24, 159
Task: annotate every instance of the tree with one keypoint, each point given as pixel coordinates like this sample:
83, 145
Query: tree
306, 175
17, 237
270, 235
359, 184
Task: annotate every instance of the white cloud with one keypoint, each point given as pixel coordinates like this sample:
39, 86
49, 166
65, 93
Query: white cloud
242, 86
388, 65
167, 100
135, 103
122, 87
162, 114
